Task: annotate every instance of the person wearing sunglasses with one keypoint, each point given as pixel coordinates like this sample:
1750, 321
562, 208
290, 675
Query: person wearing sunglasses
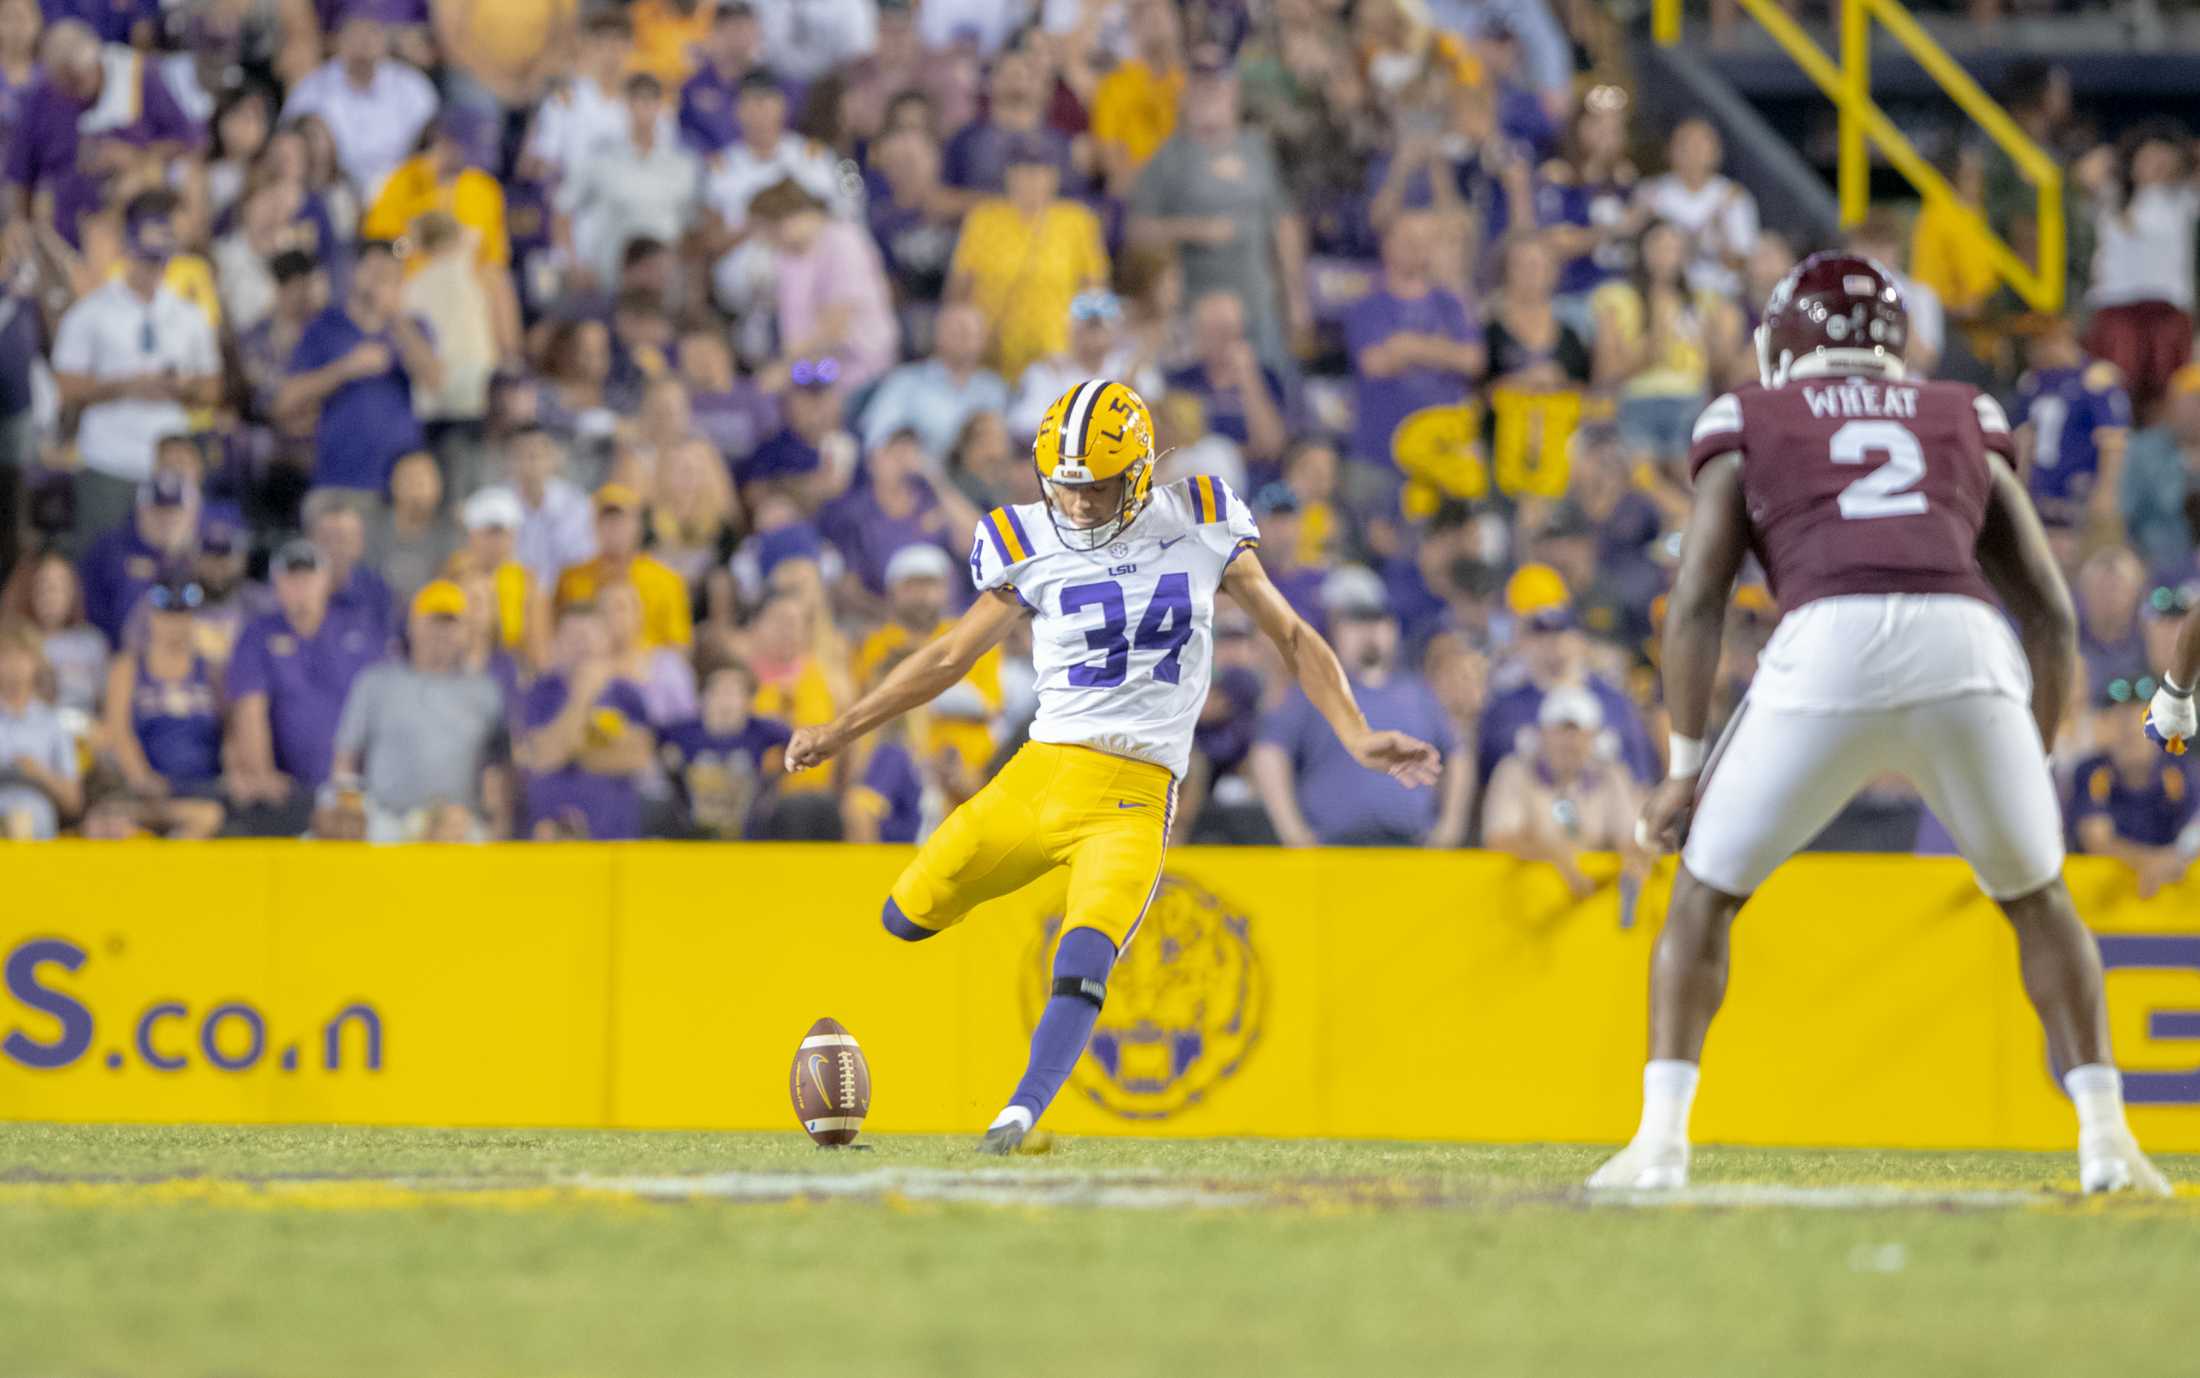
163, 720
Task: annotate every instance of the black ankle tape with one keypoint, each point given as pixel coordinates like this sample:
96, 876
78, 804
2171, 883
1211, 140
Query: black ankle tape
1083, 989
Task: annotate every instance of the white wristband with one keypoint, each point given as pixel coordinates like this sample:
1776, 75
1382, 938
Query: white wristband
1684, 757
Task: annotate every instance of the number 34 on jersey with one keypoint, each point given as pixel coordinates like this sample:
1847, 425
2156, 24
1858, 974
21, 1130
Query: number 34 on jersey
1123, 636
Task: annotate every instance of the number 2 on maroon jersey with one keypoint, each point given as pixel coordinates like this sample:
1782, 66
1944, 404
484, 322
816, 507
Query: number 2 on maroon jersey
1885, 490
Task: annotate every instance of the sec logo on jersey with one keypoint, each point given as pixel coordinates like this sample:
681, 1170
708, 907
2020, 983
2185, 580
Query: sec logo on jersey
1185, 1009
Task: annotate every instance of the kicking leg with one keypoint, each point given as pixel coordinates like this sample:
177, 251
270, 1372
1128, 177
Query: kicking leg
1114, 832
1081, 965
1786, 782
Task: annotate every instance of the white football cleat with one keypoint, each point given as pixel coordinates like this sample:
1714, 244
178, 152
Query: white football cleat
2113, 1162
1644, 1165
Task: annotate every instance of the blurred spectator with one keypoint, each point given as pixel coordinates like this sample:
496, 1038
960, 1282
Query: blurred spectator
726, 762
887, 802
1545, 62
264, 350
694, 514
164, 719
959, 721
353, 375
466, 307
833, 301
2109, 587
901, 504
732, 411
915, 218
22, 335
374, 105
1583, 201
132, 357
99, 122
38, 767
795, 686
2162, 477
639, 184
1716, 215
1538, 368
810, 459
518, 606
2141, 292
1240, 398
157, 542
411, 536
2133, 803
1134, 107
1213, 194
1555, 799
1948, 253
1414, 349
620, 559
977, 158
1098, 348
987, 469
585, 741
1217, 802
733, 49
1553, 655
556, 530
336, 523
1661, 341
805, 39
2036, 93
585, 107
2073, 421
286, 686
424, 731
1297, 572
935, 396
1314, 791
664, 674
1879, 236
230, 599
20, 23
45, 595
765, 156
1024, 256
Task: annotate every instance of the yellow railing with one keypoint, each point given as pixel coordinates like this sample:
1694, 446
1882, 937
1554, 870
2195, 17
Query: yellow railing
1865, 126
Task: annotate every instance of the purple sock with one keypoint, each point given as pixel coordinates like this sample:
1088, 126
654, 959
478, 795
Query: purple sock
1081, 967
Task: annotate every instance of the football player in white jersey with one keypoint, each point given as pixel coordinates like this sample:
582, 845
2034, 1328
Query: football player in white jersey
1120, 581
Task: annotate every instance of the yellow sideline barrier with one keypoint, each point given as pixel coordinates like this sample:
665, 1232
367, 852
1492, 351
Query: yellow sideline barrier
1359, 994
1863, 126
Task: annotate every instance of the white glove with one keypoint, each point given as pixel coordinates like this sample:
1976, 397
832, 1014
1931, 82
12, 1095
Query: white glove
2172, 720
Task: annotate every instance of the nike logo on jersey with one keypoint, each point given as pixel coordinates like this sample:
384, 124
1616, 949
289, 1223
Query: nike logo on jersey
1121, 805
1171, 541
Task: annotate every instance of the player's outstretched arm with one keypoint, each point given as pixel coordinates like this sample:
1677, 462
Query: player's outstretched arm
921, 676
2017, 561
2171, 717
1695, 616
1409, 760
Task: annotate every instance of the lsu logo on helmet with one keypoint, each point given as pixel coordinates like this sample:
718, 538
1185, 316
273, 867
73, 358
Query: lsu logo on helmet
1186, 1006
1097, 431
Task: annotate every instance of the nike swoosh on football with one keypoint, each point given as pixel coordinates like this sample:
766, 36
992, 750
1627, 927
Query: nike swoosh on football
1171, 541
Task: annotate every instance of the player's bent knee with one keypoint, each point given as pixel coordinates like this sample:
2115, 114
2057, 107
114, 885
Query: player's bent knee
901, 926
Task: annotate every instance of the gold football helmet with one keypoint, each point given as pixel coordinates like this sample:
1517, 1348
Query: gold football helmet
1096, 431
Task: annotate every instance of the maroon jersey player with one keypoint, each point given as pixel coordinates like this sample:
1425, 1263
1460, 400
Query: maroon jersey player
1888, 519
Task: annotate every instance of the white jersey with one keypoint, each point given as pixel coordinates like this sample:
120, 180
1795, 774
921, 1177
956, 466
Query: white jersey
1123, 636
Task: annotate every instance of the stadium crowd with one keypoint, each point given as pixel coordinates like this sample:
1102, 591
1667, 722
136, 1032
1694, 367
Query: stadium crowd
464, 419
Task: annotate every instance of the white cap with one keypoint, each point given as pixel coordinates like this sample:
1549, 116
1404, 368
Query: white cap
1571, 705
1355, 591
918, 561
493, 507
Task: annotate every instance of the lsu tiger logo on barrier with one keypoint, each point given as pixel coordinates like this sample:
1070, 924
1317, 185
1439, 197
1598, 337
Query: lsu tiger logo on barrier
1185, 1008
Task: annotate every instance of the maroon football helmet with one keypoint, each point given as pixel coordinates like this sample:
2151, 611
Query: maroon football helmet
1833, 313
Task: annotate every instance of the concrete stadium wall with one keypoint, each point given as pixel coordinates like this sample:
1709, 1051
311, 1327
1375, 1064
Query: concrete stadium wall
1377, 994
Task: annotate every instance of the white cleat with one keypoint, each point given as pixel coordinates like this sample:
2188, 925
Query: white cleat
2113, 1162
1644, 1165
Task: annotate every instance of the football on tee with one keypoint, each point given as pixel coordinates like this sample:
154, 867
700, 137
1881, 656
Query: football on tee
832, 1084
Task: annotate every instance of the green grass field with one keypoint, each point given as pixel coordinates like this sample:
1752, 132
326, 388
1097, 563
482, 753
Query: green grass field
293, 1252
